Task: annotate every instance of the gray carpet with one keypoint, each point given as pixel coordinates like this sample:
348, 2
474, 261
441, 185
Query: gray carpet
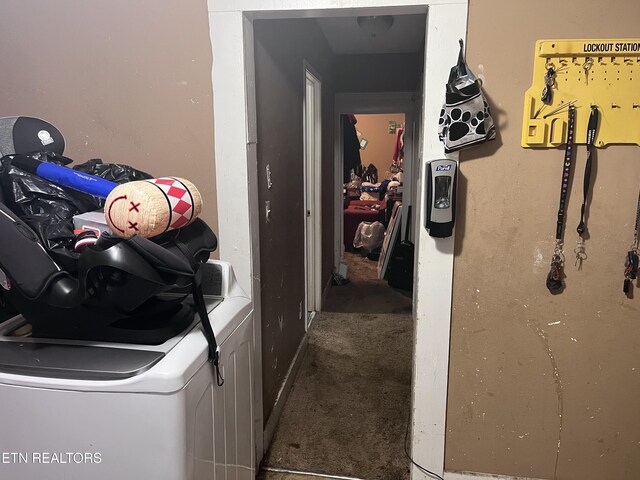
348, 409
365, 293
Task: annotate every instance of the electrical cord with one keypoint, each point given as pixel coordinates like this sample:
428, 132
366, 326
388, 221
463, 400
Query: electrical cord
406, 452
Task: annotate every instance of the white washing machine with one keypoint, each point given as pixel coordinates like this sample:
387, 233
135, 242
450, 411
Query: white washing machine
78, 410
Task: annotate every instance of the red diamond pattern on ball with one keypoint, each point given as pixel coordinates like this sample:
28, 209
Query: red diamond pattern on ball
164, 181
176, 192
180, 200
182, 207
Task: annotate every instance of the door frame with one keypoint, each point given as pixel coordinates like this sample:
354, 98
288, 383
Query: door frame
407, 103
313, 188
233, 77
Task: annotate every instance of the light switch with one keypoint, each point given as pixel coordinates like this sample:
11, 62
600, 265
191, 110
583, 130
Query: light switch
269, 183
267, 210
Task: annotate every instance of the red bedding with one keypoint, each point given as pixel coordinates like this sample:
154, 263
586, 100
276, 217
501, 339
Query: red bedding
360, 211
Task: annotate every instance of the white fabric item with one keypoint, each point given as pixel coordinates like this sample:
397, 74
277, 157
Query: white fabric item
369, 236
366, 196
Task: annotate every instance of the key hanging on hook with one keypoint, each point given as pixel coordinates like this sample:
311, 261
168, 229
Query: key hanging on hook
580, 252
586, 66
632, 260
556, 272
549, 82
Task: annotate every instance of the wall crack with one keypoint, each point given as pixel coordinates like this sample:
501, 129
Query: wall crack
542, 337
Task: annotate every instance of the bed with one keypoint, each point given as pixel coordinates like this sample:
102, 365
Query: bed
360, 211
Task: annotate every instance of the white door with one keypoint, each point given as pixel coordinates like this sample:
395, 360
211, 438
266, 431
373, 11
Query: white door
313, 160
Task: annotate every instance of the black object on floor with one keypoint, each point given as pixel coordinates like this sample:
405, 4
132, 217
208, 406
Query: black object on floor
374, 255
400, 274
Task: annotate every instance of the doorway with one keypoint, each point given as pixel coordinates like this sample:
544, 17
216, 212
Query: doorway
365, 321
232, 29
373, 176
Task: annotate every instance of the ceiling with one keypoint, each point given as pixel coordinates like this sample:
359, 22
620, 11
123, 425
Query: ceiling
345, 36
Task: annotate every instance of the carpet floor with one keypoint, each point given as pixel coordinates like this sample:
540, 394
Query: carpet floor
365, 293
348, 409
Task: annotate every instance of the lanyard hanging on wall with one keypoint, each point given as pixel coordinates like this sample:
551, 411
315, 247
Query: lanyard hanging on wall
582, 227
632, 260
556, 274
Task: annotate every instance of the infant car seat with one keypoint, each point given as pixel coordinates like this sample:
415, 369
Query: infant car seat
119, 291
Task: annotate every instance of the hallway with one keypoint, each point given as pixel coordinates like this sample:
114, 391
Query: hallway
347, 412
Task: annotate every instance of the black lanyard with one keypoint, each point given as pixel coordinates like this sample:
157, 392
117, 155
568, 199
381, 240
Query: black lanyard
566, 173
636, 233
582, 227
632, 260
554, 278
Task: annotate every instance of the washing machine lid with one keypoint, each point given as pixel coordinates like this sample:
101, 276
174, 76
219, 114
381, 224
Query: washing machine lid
178, 359
81, 362
82, 359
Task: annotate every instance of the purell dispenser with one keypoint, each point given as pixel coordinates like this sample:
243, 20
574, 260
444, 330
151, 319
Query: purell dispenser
441, 197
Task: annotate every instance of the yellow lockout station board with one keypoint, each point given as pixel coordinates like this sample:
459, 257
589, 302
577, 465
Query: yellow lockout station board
601, 72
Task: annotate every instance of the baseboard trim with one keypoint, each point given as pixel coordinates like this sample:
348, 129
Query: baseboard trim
283, 394
481, 476
308, 474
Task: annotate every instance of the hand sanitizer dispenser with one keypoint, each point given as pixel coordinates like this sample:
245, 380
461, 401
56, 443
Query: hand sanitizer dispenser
441, 197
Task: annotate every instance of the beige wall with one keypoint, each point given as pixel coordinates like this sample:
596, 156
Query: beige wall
379, 151
128, 82
523, 361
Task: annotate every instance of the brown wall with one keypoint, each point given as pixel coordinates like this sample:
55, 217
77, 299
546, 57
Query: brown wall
516, 373
379, 151
127, 82
280, 48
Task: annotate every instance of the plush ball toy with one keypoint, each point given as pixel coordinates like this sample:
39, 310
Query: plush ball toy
151, 207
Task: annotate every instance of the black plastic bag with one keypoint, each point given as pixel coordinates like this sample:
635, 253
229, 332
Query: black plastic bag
112, 171
48, 208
